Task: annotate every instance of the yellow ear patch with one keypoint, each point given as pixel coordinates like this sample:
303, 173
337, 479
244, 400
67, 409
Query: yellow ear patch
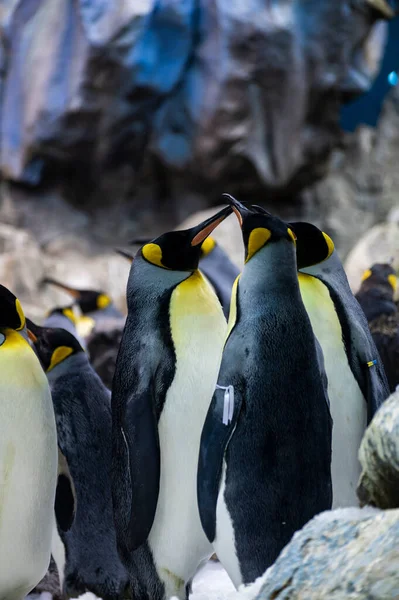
59, 355
257, 239
392, 280
330, 245
69, 314
366, 274
292, 235
207, 246
21, 315
103, 301
153, 253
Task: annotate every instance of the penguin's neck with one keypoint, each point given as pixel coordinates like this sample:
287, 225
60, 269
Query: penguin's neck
71, 363
271, 270
152, 281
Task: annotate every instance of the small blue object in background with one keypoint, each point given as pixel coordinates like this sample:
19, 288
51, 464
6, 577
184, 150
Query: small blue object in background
367, 108
393, 78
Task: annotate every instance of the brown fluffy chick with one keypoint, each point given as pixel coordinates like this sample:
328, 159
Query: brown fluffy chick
376, 297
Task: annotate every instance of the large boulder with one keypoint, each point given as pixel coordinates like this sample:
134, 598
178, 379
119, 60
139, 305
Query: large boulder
160, 105
379, 457
346, 553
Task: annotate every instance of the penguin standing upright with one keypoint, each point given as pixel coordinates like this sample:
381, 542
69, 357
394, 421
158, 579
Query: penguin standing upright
85, 553
264, 463
376, 297
28, 457
164, 380
356, 380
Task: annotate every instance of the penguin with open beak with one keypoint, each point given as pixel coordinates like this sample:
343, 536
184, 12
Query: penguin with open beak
265, 455
214, 264
28, 457
165, 375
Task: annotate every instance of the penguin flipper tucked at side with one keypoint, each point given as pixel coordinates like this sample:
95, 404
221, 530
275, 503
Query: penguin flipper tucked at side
216, 435
140, 443
65, 496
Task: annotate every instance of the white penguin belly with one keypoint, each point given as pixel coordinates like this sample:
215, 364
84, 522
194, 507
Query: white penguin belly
28, 473
348, 405
224, 542
198, 327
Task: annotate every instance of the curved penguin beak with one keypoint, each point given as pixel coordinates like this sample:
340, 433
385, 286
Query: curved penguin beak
125, 254
70, 290
239, 209
201, 231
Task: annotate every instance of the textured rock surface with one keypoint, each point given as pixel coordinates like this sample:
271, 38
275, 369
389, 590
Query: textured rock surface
166, 103
379, 457
347, 553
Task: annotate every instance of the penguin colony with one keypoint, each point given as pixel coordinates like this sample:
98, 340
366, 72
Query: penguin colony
217, 436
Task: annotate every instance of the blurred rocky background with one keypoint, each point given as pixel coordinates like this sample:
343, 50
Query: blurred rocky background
121, 119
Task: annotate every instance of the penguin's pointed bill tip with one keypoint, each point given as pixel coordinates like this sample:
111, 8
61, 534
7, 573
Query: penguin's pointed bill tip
204, 229
70, 290
237, 207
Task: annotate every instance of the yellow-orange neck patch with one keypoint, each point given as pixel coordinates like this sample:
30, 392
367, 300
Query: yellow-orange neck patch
392, 280
59, 354
207, 246
153, 253
257, 239
21, 314
366, 274
103, 301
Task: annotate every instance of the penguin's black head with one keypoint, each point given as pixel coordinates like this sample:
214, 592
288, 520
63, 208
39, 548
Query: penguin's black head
66, 311
181, 250
87, 300
380, 275
259, 227
11, 313
52, 345
313, 246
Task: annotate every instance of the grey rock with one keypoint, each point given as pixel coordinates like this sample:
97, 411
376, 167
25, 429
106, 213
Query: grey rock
145, 103
379, 457
346, 553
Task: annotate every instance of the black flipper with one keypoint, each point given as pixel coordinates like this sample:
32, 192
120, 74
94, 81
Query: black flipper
215, 438
65, 496
136, 468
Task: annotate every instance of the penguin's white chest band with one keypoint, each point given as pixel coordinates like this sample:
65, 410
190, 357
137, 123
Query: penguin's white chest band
228, 406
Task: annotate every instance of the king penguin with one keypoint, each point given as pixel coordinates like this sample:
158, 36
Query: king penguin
85, 553
97, 307
28, 457
165, 375
265, 455
376, 297
356, 380
63, 317
215, 265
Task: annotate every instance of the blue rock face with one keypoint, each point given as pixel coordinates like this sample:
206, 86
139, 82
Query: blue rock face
198, 94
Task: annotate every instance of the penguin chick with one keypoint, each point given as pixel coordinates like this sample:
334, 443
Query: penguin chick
376, 297
265, 454
86, 554
164, 379
28, 457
